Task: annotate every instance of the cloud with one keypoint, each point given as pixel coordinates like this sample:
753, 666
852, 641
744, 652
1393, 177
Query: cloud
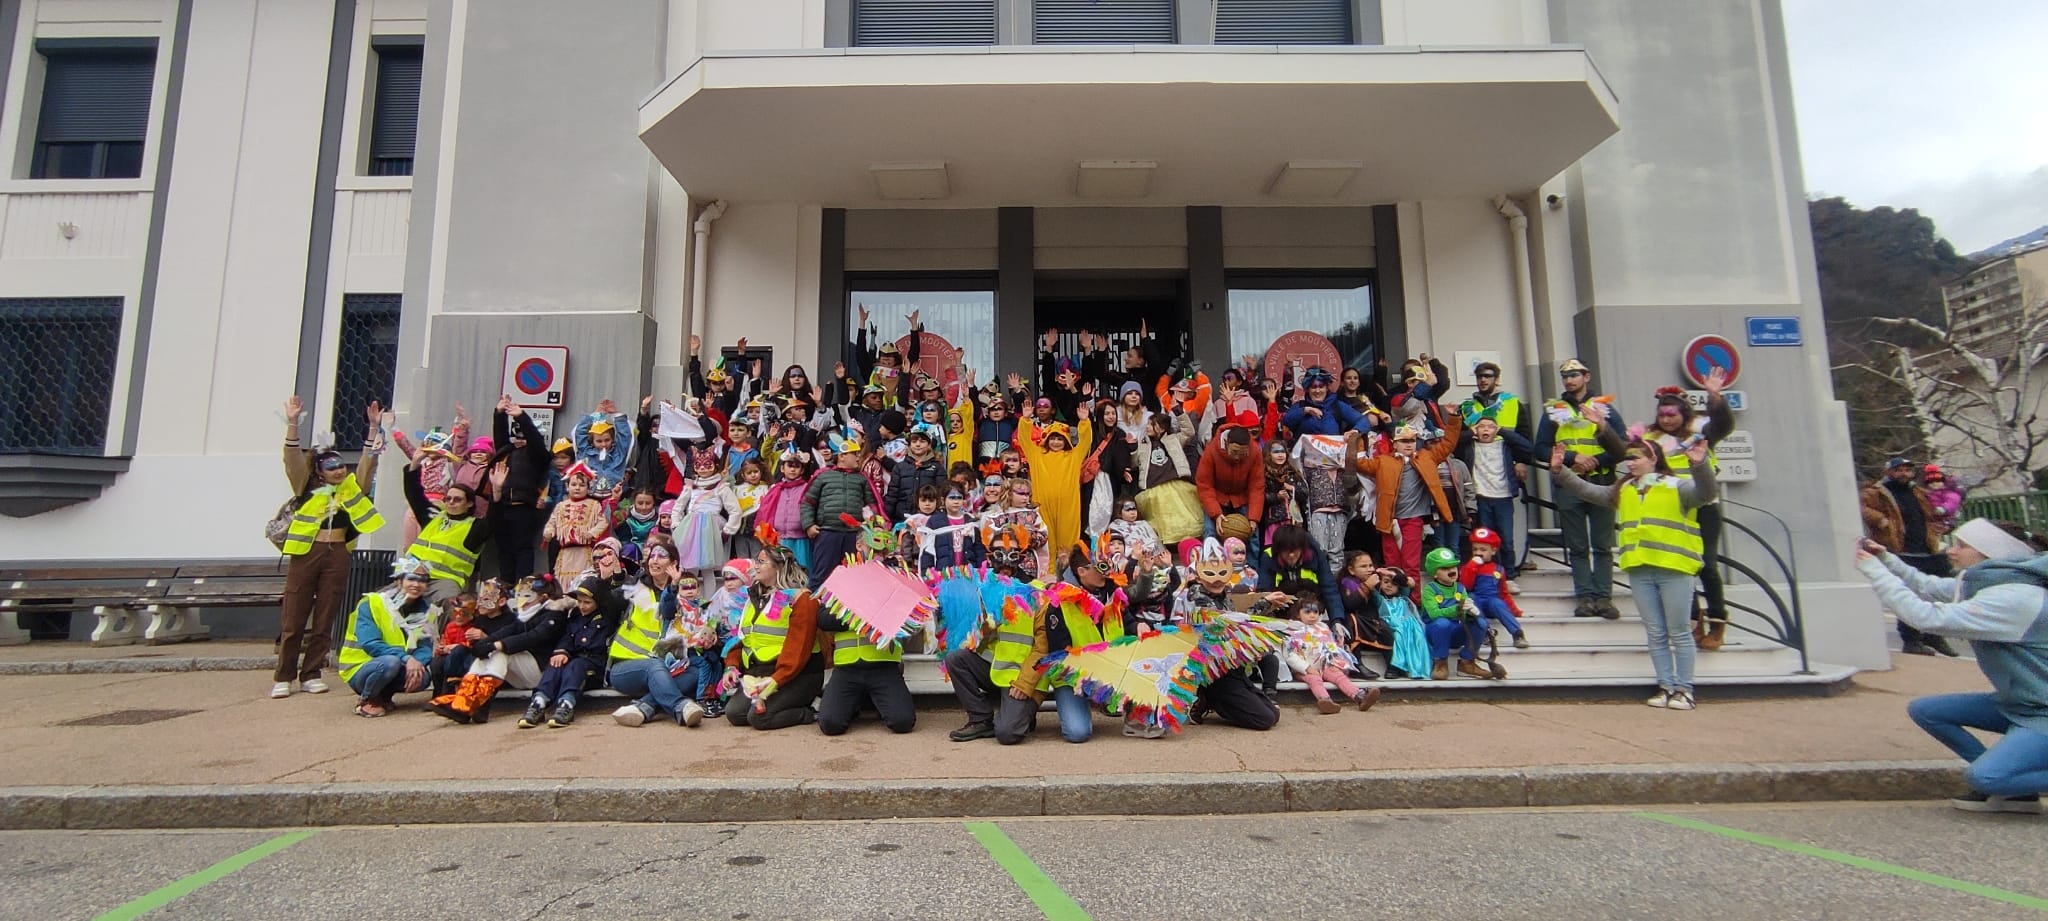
1983, 208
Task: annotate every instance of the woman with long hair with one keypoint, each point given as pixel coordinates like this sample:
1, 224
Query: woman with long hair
775, 665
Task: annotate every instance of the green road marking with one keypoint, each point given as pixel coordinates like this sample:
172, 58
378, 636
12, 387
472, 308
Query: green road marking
191, 884
1861, 863
1051, 900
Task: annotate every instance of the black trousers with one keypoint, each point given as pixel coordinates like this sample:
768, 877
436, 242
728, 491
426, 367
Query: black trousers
517, 531
878, 684
790, 705
828, 550
985, 703
1710, 560
1235, 700
1933, 564
571, 678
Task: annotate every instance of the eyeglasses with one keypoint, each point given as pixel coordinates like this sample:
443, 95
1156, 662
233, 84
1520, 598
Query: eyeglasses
731, 577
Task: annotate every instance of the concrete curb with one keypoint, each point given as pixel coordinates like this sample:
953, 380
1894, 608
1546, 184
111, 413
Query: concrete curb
141, 666
736, 800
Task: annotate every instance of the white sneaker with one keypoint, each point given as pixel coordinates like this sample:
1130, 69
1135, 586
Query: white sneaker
693, 713
281, 690
313, 686
630, 715
1661, 700
1680, 700
1513, 589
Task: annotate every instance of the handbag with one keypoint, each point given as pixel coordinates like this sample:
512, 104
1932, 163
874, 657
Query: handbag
1092, 466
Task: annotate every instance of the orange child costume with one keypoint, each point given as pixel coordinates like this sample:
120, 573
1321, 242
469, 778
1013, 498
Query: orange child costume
1056, 476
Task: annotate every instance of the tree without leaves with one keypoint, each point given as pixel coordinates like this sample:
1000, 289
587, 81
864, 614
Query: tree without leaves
1991, 400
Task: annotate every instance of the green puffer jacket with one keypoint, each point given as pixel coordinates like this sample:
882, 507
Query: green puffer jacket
834, 493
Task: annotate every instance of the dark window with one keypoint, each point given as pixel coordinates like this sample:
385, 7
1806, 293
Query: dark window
57, 381
1283, 22
1102, 22
1337, 307
924, 22
367, 363
95, 112
395, 112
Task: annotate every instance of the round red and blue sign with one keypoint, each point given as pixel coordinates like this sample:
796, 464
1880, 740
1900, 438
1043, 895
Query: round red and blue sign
1705, 353
533, 376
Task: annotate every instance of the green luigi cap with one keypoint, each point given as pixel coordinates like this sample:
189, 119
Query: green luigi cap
1437, 559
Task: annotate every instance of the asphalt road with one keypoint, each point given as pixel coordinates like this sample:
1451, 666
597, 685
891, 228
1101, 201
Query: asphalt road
1921, 861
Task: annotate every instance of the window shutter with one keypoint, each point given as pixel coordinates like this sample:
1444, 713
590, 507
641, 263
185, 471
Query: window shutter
1102, 22
881, 23
1283, 22
96, 95
395, 122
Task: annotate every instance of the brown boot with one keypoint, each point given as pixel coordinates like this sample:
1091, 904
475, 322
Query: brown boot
1326, 705
1714, 635
1440, 671
1473, 669
479, 689
1369, 697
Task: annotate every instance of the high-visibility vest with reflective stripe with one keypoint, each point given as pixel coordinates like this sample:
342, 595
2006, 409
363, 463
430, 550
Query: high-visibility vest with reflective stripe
763, 638
1657, 530
1674, 453
1582, 436
1297, 574
1509, 413
389, 629
441, 546
1084, 632
851, 646
640, 630
312, 513
1012, 646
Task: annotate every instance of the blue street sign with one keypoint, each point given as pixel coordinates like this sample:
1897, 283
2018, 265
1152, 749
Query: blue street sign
1775, 331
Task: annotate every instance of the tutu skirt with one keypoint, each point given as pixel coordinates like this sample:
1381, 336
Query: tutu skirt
700, 543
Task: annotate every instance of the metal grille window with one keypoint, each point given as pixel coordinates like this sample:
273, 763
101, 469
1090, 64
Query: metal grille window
1283, 22
395, 112
881, 23
57, 380
367, 363
95, 111
1102, 22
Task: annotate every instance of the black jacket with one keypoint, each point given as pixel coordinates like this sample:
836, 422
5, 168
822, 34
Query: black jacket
526, 469
907, 479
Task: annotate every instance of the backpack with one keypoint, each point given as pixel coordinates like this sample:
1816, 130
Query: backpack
279, 526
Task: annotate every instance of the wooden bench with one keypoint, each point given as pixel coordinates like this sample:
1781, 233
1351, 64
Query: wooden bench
169, 591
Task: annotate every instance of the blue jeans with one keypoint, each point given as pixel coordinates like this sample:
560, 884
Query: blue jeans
1448, 633
2016, 766
1498, 516
648, 680
1496, 608
1589, 544
376, 678
1664, 602
1077, 722
697, 680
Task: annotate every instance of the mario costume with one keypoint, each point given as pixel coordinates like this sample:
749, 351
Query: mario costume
1485, 581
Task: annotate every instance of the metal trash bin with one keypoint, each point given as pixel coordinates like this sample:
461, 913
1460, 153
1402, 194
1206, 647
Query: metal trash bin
368, 571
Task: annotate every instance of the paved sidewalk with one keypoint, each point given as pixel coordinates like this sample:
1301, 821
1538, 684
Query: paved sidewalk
221, 730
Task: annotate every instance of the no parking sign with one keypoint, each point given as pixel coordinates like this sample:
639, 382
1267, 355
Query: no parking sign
1705, 353
535, 375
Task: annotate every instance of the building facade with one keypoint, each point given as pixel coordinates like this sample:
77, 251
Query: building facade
1997, 311
1521, 180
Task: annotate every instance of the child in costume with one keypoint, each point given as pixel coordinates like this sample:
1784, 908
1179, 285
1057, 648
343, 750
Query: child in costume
1314, 655
1446, 607
751, 486
707, 513
577, 522
1133, 529
1486, 581
1361, 628
1056, 475
579, 653
1410, 655
950, 537
599, 448
639, 519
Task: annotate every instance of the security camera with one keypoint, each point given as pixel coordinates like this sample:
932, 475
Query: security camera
1554, 200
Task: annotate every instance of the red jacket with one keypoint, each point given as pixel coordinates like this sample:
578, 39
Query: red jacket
1222, 481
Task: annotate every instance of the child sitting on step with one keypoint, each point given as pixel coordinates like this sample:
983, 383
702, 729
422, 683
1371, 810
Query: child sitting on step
1315, 656
1486, 581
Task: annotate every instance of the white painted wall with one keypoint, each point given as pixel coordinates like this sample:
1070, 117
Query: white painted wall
1460, 22
1297, 238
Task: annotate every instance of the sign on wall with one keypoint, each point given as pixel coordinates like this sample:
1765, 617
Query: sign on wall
1774, 331
1735, 458
1737, 400
1463, 361
536, 375
1705, 353
1309, 348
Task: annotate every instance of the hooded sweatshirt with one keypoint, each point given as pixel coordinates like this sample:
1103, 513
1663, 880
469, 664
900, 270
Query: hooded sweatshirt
2000, 607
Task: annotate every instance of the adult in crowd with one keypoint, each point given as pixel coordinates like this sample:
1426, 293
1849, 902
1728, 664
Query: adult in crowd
775, 664
638, 667
1320, 411
1588, 528
1231, 480
520, 471
452, 538
1898, 516
1999, 602
330, 510
1660, 550
389, 641
1675, 426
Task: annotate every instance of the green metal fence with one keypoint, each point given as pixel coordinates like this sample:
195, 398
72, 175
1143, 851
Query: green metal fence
2028, 509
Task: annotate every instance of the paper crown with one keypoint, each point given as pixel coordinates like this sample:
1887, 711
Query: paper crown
563, 445
1573, 364
579, 469
845, 441
888, 348
406, 567
1407, 430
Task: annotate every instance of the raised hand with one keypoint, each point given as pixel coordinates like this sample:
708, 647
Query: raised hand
1015, 381
374, 411
741, 345
461, 413
1717, 380
913, 318
646, 401
389, 421
1698, 452
293, 406
863, 308
1052, 339
696, 343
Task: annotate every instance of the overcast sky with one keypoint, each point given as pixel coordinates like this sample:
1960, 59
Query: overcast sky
1940, 106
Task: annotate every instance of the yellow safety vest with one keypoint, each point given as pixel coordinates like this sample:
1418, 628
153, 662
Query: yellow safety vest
441, 546
1657, 530
389, 628
313, 512
1582, 436
851, 646
1509, 413
1674, 456
1084, 632
1012, 646
762, 638
640, 630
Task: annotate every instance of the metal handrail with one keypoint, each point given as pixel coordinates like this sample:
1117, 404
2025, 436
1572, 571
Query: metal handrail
1786, 626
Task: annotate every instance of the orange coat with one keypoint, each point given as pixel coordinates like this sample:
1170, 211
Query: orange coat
1385, 471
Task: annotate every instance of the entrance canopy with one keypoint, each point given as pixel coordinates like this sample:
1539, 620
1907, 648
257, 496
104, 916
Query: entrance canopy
1150, 125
